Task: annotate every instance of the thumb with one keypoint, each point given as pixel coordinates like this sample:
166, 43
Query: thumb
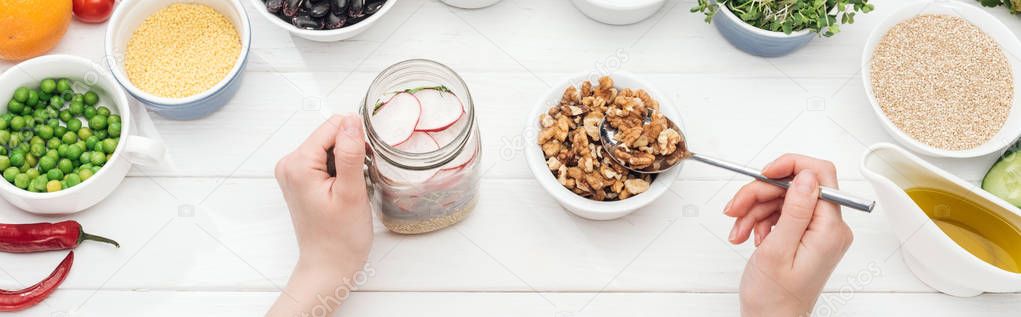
349, 155
798, 209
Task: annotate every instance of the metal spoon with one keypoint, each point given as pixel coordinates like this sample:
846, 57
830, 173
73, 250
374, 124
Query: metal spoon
663, 163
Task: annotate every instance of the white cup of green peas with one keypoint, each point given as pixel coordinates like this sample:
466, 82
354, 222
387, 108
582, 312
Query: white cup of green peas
66, 137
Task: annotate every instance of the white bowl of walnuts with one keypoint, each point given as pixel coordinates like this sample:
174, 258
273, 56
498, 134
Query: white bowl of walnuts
583, 180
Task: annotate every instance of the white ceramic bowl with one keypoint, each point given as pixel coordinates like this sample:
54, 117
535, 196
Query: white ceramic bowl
130, 150
581, 206
324, 35
126, 19
987, 23
619, 12
470, 4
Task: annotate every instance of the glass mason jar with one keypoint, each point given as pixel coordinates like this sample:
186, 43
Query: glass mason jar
422, 192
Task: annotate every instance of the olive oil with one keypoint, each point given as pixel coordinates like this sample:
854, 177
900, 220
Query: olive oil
989, 236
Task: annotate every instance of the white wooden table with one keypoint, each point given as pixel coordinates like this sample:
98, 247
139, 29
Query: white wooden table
212, 237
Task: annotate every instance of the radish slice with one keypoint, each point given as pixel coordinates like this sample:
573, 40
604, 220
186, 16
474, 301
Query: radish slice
448, 135
394, 121
419, 142
440, 109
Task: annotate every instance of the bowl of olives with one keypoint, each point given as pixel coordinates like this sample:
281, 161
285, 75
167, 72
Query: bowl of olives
323, 20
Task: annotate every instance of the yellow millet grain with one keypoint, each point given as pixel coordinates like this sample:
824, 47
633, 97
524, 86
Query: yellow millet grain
181, 50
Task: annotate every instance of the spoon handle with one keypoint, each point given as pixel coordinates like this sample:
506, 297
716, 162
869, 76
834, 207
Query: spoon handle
825, 193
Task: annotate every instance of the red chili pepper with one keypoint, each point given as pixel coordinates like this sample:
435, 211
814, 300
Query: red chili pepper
37, 237
32, 295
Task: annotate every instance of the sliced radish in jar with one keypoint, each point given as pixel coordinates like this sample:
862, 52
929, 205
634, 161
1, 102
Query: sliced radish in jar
448, 135
395, 120
440, 109
419, 142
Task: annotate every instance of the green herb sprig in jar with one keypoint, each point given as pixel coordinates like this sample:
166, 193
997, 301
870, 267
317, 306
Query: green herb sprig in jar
787, 16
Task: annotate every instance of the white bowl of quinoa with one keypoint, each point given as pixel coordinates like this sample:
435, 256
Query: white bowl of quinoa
181, 59
944, 79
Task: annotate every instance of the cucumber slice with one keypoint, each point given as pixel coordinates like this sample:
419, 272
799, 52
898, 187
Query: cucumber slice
1004, 178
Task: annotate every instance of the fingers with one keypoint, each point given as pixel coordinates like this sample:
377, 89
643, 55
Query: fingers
322, 138
349, 156
762, 228
744, 224
797, 211
791, 164
750, 195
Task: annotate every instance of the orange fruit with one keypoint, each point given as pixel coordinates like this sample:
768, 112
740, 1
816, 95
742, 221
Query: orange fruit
29, 28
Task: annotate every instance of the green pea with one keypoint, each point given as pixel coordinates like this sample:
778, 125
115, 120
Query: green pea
55, 174
32, 173
7, 116
103, 111
114, 118
10, 173
76, 109
38, 184
15, 140
5, 136
48, 85
3, 150
74, 125
65, 116
53, 123
86, 166
84, 133
86, 157
21, 180
101, 134
62, 150
53, 143
85, 174
5, 162
59, 131
45, 132
17, 123
29, 121
53, 155
91, 142
53, 186
47, 163
73, 180
21, 94
74, 151
114, 129
78, 98
31, 159
56, 102
98, 158
89, 112
33, 98
91, 98
4, 124
63, 85
15, 106
109, 145
76, 104
69, 137
17, 159
65, 165
67, 95
36, 140
37, 149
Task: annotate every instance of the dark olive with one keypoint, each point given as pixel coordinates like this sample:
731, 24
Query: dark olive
339, 7
335, 22
274, 6
320, 10
291, 7
373, 7
304, 21
307, 5
356, 8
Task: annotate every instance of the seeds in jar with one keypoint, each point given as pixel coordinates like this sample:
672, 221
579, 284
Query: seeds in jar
942, 81
569, 139
181, 50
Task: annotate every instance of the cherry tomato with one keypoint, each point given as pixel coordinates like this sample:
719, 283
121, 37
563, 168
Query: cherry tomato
93, 11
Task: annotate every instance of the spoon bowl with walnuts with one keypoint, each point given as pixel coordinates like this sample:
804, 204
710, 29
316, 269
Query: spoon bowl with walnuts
623, 135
